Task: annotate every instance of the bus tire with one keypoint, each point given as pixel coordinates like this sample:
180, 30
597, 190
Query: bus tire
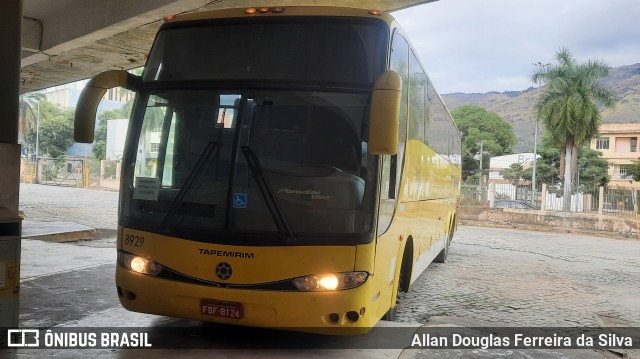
403, 286
391, 315
444, 253
442, 256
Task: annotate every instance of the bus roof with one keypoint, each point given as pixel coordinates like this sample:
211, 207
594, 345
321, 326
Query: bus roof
275, 11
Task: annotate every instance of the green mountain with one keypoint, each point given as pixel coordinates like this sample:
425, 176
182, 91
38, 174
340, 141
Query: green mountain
516, 107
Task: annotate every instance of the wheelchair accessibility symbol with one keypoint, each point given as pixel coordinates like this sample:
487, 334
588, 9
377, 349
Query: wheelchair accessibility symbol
239, 200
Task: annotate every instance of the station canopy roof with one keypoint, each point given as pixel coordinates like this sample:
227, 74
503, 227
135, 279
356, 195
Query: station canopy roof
70, 40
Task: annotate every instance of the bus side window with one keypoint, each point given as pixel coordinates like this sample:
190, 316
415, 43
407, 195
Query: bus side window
400, 63
387, 196
392, 165
386, 190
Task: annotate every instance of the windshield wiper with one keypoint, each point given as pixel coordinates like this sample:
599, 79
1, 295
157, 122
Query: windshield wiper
267, 193
209, 151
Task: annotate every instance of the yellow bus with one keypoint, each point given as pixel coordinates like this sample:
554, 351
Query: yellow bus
285, 167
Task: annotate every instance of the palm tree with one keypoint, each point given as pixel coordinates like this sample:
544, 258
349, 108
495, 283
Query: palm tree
569, 108
28, 119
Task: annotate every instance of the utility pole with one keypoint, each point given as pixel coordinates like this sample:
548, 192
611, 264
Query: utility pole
38, 144
481, 182
535, 143
535, 158
481, 160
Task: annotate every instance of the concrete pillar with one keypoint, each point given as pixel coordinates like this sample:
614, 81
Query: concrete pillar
10, 43
492, 194
118, 169
10, 32
600, 200
85, 173
10, 37
543, 197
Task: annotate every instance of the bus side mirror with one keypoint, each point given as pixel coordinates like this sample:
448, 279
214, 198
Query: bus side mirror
85, 116
385, 114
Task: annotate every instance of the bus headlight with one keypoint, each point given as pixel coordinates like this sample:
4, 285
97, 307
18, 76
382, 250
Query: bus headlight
138, 264
330, 281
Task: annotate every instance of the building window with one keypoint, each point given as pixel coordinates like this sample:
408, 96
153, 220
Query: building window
634, 144
602, 143
622, 171
155, 147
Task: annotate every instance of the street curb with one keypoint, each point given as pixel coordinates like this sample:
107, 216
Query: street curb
57, 231
550, 229
85, 235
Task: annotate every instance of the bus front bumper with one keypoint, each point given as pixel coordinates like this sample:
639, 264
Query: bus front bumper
343, 312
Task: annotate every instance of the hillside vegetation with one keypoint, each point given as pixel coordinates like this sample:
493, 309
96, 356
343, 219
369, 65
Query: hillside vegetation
516, 107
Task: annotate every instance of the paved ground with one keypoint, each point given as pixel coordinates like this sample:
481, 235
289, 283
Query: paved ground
493, 277
97, 209
523, 278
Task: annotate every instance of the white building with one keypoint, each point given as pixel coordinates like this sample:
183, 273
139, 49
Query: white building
116, 136
499, 163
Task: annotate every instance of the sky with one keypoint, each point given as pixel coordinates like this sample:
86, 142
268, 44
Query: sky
492, 45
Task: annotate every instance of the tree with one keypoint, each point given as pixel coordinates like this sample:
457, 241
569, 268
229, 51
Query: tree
513, 174
478, 125
56, 129
27, 120
592, 166
568, 108
633, 170
546, 166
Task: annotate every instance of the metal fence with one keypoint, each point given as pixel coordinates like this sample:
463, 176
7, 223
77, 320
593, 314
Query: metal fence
473, 192
584, 200
62, 171
477, 192
622, 201
605, 200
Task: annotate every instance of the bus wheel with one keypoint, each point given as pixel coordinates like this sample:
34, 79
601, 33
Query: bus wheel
392, 313
442, 256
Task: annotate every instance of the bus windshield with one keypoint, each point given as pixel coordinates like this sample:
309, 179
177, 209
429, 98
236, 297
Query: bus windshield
192, 171
338, 51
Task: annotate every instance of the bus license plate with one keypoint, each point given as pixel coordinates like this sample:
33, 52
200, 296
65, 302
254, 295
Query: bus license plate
219, 308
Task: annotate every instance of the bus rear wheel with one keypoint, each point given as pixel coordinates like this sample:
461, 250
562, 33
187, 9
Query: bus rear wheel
442, 256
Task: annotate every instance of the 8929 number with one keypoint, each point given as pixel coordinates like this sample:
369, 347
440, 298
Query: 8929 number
133, 240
